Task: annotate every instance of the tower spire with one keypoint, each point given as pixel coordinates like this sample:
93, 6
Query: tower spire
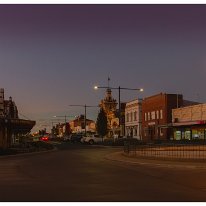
108, 82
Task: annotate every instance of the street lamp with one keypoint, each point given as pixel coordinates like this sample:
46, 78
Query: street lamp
85, 113
119, 89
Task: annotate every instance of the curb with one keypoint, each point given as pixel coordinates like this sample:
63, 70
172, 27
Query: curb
27, 154
120, 157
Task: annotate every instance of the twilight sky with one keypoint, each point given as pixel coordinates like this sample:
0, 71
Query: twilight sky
51, 56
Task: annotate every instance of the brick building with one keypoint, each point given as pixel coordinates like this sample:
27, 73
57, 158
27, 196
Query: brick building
189, 122
157, 115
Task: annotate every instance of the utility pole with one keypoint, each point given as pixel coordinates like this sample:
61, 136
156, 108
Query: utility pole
65, 120
85, 113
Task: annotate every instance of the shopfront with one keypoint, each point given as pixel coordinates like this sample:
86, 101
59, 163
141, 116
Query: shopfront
190, 132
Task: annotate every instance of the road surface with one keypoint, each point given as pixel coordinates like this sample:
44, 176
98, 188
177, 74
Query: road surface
82, 173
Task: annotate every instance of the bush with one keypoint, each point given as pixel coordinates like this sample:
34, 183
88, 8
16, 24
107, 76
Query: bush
7, 152
41, 144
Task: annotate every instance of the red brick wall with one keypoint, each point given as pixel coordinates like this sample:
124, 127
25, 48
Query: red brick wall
164, 102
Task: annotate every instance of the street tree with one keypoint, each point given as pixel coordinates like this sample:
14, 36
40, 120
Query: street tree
101, 123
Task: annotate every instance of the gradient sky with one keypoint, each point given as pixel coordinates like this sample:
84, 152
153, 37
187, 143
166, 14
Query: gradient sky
51, 56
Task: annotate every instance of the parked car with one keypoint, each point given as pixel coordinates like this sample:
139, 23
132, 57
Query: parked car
92, 139
76, 138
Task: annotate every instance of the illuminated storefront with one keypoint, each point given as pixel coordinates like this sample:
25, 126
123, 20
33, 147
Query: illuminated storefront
189, 130
189, 122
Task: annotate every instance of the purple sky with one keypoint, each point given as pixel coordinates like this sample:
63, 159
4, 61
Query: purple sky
51, 56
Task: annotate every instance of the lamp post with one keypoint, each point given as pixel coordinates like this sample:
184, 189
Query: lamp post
85, 113
119, 90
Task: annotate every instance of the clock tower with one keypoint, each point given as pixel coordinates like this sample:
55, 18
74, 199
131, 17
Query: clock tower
109, 105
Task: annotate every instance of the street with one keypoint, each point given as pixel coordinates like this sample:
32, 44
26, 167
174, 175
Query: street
82, 173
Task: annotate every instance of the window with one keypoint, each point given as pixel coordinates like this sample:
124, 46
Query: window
131, 117
135, 116
157, 114
161, 131
153, 115
161, 114
145, 116
148, 115
127, 117
135, 131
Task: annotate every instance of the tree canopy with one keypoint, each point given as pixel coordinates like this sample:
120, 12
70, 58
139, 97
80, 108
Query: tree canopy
101, 123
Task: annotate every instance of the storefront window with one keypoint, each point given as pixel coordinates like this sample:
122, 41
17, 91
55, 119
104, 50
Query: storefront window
201, 133
188, 134
198, 133
177, 135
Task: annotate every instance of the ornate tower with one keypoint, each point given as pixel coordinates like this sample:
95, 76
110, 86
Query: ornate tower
109, 104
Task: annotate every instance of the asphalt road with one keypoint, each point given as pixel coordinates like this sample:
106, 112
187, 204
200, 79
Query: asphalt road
82, 173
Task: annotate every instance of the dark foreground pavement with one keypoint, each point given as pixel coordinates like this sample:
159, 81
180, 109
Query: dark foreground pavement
85, 173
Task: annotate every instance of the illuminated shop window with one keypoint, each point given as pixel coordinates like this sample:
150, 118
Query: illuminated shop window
198, 133
177, 135
188, 134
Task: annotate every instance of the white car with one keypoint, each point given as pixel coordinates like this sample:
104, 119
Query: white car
92, 139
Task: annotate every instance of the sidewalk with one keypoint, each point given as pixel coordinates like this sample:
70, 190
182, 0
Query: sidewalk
144, 161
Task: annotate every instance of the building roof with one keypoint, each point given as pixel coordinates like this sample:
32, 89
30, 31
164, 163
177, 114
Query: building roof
161, 94
19, 125
189, 103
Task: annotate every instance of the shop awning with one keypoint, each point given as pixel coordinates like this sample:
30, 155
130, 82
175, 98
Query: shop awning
165, 125
200, 122
18, 125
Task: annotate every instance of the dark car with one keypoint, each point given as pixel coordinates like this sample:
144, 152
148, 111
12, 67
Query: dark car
76, 138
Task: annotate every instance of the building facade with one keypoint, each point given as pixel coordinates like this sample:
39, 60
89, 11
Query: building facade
189, 122
78, 125
8, 108
157, 116
133, 119
11, 127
